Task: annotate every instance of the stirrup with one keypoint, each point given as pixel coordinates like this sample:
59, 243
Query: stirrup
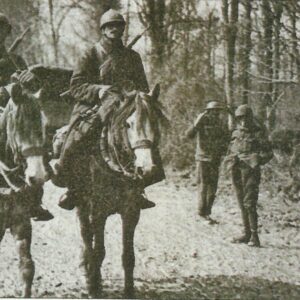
66, 201
146, 203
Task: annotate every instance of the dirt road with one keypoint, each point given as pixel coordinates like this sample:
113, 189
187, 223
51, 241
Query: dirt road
178, 256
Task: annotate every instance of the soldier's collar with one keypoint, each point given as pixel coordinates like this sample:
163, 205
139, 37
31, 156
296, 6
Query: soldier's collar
108, 45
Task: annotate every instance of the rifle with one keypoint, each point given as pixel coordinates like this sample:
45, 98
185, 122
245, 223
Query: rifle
17, 41
132, 43
15, 45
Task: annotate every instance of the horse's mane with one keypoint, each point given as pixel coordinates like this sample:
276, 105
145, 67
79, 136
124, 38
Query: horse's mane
152, 108
25, 124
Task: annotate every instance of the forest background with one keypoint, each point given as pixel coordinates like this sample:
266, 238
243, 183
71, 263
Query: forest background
235, 51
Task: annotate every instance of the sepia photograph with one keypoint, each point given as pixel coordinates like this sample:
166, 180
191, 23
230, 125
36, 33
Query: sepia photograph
150, 149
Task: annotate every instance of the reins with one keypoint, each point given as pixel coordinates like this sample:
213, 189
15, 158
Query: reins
113, 160
4, 170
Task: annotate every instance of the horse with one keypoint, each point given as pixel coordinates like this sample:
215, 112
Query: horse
119, 168
22, 165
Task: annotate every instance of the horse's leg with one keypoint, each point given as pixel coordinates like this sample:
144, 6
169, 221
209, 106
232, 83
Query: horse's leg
21, 232
129, 220
98, 253
87, 253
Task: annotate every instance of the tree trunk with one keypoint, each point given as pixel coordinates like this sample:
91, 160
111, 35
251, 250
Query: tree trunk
291, 7
245, 51
230, 40
127, 19
278, 8
267, 59
153, 13
53, 33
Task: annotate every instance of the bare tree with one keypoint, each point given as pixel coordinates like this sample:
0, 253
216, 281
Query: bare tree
267, 23
271, 111
230, 20
153, 13
292, 8
245, 50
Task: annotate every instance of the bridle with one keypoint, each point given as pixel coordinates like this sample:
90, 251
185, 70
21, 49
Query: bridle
32, 151
113, 156
143, 144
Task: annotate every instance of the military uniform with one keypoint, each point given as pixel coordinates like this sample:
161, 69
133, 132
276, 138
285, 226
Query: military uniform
248, 150
212, 141
9, 64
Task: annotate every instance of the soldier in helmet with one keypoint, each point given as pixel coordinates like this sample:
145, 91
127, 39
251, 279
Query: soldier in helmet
106, 72
212, 141
248, 151
9, 63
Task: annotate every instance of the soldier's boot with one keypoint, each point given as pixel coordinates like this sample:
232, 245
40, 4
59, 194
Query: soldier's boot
210, 220
145, 203
38, 213
62, 169
245, 237
254, 240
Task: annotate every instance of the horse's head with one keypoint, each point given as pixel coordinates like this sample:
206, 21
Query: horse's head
26, 133
143, 132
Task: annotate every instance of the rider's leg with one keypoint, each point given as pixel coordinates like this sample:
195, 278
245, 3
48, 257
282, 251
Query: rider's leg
78, 181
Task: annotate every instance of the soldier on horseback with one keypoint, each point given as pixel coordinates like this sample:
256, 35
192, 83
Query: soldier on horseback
106, 73
10, 64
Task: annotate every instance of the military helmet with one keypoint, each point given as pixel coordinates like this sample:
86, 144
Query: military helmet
243, 110
111, 16
214, 105
4, 21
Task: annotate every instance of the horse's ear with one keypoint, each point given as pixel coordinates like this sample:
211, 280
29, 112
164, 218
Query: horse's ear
155, 92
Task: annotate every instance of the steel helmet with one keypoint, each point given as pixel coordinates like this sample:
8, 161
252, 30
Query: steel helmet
214, 105
243, 110
111, 16
4, 21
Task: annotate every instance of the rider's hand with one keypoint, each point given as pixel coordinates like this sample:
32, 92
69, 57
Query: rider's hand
29, 81
103, 91
17, 93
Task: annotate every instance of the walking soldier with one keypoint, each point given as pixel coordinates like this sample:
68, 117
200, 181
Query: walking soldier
248, 151
212, 142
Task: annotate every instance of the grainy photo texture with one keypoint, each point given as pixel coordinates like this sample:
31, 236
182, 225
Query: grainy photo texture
150, 149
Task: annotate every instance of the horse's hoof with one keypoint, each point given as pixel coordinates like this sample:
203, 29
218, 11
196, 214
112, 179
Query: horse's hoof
129, 293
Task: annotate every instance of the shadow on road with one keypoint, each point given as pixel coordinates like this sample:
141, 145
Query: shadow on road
194, 288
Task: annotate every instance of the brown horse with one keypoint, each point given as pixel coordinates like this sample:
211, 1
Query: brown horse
119, 170
23, 168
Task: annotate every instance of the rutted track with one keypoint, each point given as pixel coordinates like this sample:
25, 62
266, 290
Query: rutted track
177, 255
